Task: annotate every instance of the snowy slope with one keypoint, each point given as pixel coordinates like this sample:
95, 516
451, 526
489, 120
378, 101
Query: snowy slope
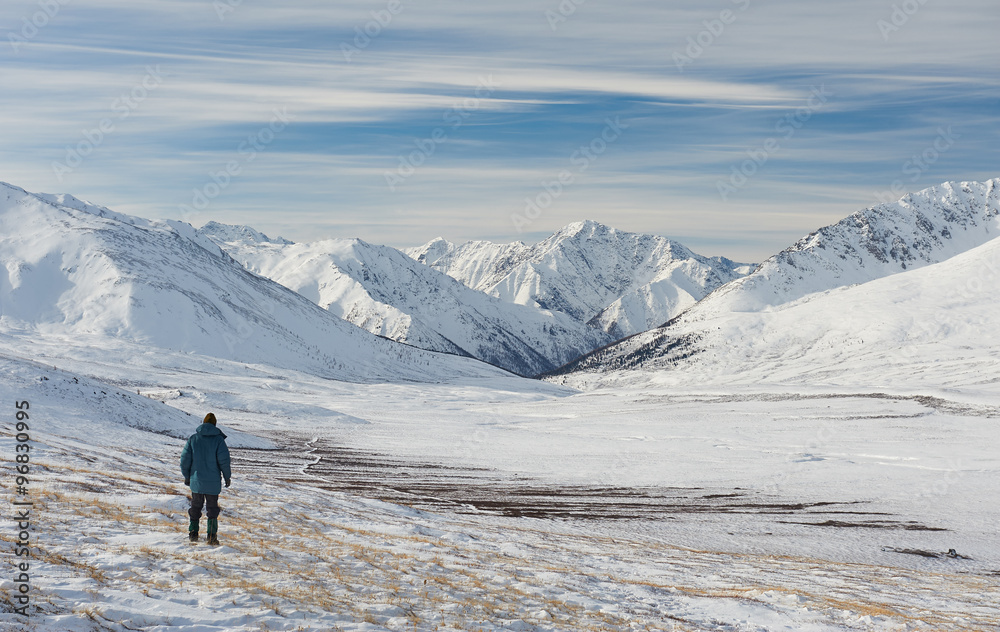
473, 262
72, 401
742, 542
620, 282
920, 229
863, 299
387, 293
74, 268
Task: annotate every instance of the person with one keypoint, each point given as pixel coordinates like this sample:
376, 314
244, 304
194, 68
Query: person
204, 460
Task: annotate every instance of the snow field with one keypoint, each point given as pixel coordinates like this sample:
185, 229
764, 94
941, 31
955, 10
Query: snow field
114, 556
112, 549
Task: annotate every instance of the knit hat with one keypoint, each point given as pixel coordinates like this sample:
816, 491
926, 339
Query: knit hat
210, 419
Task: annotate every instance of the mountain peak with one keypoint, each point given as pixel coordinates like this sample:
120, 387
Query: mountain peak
71, 201
431, 252
65, 200
586, 227
229, 233
616, 281
921, 230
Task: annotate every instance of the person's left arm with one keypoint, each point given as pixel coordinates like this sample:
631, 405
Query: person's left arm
186, 460
222, 457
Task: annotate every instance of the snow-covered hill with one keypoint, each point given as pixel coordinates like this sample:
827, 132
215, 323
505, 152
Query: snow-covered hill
920, 229
387, 293
74, 268
901, 291
473, 262
72, 401
620, 282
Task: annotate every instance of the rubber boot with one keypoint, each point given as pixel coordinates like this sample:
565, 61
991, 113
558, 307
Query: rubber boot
193, 530
213, 531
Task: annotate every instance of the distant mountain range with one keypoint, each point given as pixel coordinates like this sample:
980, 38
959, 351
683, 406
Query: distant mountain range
886, 289
380, 289
619, 282
72, 269
877, 284
529, 309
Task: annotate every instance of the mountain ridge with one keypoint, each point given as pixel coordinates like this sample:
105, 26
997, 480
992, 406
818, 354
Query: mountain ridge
387, 293
83, 270
614, 280
922, 229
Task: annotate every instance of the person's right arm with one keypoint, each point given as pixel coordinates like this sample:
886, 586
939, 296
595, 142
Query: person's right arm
222, 458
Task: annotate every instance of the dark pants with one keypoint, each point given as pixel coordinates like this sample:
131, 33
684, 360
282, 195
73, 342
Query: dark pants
199, 500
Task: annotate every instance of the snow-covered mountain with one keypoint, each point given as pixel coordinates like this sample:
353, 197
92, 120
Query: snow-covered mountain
387, 293
892, 284
920, 229
74, 269
473, 262
617, 281
230, 233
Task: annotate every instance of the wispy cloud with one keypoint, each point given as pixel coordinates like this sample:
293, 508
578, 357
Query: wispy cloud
324, 175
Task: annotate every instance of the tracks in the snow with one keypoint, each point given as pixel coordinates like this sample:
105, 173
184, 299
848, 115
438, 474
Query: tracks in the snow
437, 487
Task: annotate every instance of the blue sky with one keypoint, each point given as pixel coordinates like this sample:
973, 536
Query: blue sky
448, 117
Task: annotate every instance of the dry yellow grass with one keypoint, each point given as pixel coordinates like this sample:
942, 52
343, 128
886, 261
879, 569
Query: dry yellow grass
290, 559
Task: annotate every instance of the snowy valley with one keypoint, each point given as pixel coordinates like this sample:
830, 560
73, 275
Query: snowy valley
383, 291
798, 448
527, 309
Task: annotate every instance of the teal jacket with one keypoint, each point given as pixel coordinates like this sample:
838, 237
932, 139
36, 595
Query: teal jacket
205, 460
